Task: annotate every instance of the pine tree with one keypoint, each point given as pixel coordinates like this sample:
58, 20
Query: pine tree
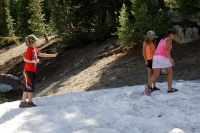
188, 8
23, 17
144, 16
2, 18
125, 29
9, 20
36, 20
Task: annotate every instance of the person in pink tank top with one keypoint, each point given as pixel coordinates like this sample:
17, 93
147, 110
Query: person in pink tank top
162, 59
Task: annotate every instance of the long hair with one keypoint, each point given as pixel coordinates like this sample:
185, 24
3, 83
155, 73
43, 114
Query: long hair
148, 41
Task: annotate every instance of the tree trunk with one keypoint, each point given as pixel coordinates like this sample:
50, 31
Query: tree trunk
102, 18
46, 39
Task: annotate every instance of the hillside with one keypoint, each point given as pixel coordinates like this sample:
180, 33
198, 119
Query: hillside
78, 69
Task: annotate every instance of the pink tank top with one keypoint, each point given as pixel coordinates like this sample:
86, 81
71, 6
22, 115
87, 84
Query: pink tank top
161, 48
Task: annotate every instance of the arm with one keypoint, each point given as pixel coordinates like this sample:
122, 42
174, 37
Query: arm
47, 55
144, 53
168, 45
31, 61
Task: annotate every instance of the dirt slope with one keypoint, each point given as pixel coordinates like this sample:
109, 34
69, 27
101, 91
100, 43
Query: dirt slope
77, 69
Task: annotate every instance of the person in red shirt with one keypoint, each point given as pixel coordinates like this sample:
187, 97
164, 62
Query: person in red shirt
30, 69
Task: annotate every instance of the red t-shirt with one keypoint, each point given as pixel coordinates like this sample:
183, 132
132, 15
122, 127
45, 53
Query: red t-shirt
31, 54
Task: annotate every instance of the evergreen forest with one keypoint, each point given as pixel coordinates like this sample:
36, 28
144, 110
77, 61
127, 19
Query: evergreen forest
79, 22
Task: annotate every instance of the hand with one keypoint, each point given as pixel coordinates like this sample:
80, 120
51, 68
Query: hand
172, 61
146, 63
54, 55
36, 61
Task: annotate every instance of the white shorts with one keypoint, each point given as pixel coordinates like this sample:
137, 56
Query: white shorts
161, 62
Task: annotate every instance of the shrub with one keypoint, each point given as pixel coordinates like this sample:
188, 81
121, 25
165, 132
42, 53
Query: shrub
146, 17
124, 31
9, 40
188, 8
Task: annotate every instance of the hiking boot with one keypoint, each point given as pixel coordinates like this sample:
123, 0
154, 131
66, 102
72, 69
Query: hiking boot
23, 105
31, 104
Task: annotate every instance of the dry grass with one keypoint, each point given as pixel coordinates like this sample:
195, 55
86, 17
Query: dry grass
9, 40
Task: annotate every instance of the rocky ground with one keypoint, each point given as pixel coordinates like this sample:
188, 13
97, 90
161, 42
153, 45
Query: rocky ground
79, 69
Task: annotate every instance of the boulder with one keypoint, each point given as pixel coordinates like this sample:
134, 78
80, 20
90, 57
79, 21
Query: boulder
10, 82
186, 34
5, 87
175, 17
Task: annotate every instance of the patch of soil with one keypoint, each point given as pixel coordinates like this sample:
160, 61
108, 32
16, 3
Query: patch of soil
80, 69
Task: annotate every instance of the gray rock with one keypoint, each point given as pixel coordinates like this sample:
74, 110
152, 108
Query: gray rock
175, 17
5, 87
185, 35
111, 47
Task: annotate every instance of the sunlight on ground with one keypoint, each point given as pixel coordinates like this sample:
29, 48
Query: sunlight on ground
89, 73
86, 78
90, 122
70, 116
177, 130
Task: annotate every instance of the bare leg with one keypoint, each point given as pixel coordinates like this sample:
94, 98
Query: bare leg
30, 96
169, 76
150, 73
154, 77
154, 83
24, 96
